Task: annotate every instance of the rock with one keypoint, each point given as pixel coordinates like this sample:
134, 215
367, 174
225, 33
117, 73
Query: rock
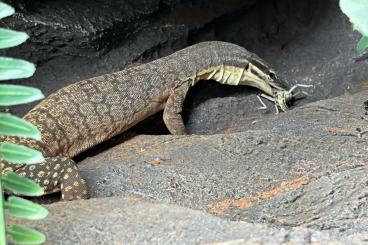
309, 170
326, 117
132, 220
93, 28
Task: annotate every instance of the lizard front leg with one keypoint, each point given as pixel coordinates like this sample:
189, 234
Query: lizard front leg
172, 117
57, 174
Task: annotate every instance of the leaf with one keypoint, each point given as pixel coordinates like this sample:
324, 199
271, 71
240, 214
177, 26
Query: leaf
19, 154
25, 235
362, 44
357, 11
21, 185
9, 38
14, 68
22, 208
5, 10
17, 94
14, 126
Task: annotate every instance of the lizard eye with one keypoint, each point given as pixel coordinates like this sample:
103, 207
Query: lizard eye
272, 76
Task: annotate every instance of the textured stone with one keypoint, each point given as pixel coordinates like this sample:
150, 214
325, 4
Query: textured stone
134, 221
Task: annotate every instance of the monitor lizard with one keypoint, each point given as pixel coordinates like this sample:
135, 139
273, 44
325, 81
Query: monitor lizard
86, 113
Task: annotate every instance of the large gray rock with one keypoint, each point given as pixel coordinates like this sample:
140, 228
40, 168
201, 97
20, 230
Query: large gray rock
134, 221
304, 168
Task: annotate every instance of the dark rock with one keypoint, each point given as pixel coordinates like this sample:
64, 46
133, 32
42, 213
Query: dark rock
328, 118
79, 28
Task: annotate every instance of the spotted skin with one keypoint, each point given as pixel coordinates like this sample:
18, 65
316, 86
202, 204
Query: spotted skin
57, 174
84, 114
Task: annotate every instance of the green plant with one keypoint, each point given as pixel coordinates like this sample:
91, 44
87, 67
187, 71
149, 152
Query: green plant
357, 11
12, 153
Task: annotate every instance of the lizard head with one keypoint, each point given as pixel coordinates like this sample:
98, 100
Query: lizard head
234, 65
265, 72
257, 72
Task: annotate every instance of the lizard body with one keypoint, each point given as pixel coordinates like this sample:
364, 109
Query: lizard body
86, 113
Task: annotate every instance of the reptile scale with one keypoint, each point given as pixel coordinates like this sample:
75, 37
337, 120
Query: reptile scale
84, 114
